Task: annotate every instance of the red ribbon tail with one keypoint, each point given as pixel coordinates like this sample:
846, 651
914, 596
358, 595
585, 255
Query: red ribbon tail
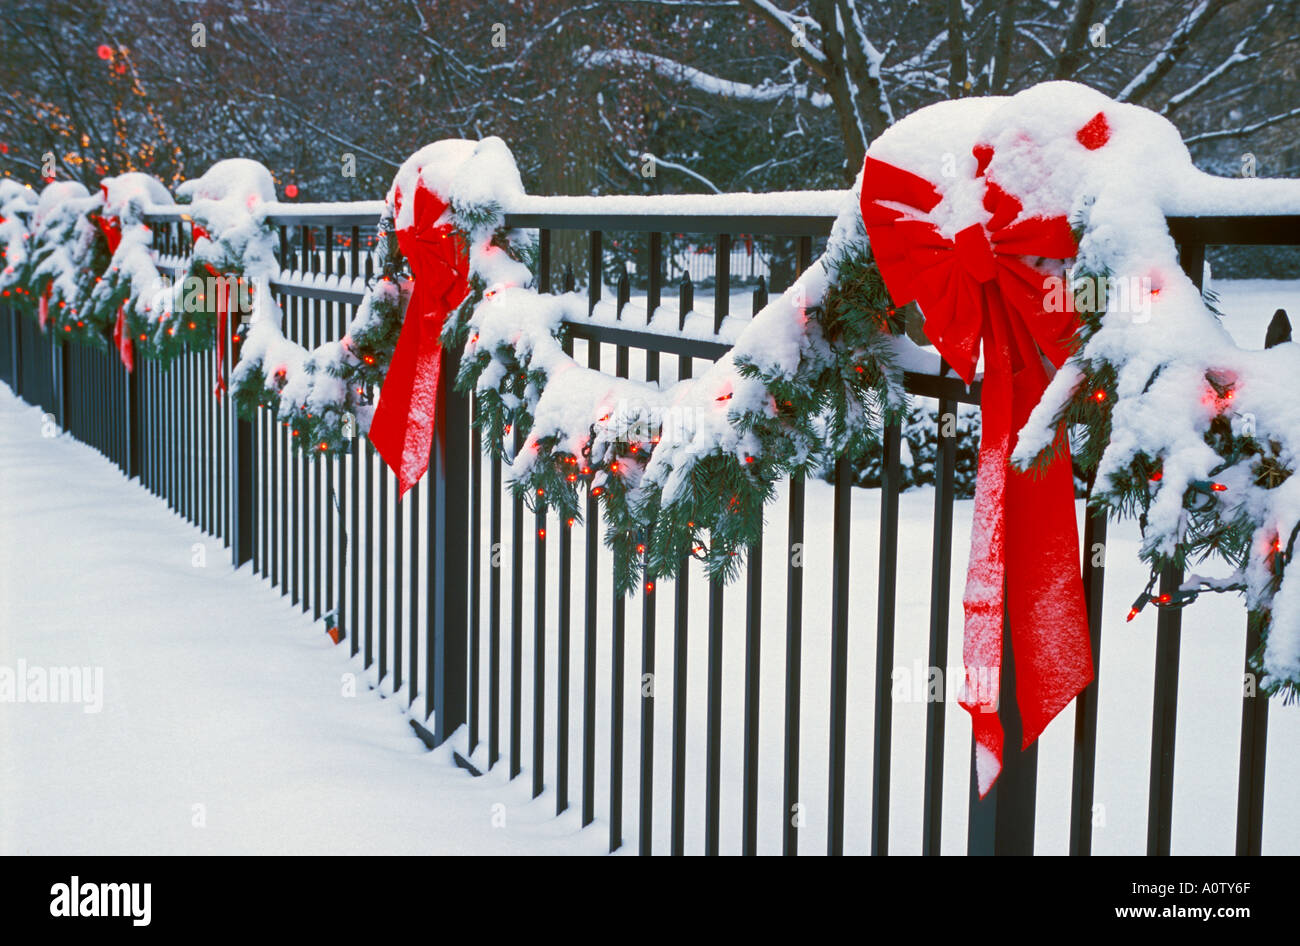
43, 306
122, 340
403, 425
1045, 599
985, 597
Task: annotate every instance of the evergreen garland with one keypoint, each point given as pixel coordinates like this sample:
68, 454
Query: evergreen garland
1213, 525
325, 397
702, 482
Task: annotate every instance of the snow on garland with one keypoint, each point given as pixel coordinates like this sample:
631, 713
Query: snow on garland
686, 470
233, 258
322, 393
17, 204
60, 251
67, 253
131, 285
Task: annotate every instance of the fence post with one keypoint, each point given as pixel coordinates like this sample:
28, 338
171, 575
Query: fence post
134, 427
1003, 822
242, 498
449, 618
1169, 626
60, 372
16, 341
1254, 702
15, 352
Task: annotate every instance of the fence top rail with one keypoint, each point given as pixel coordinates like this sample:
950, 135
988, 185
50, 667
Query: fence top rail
798, 213
782, 213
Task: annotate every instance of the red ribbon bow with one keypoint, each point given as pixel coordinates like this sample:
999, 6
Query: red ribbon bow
111, 227
403, 425
973, 287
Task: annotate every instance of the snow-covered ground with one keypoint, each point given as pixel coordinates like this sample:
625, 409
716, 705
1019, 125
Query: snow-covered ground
217, 693
221, 705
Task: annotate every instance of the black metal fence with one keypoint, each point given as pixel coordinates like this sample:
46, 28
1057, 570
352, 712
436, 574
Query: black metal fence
419, 589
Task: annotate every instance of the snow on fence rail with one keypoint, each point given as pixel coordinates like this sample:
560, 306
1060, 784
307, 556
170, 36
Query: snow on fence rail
447, 598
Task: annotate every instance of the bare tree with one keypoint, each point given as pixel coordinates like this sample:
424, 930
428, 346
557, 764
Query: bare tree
722, 94
872, 62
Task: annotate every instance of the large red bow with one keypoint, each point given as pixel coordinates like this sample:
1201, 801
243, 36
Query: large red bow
402, 428
976, 286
